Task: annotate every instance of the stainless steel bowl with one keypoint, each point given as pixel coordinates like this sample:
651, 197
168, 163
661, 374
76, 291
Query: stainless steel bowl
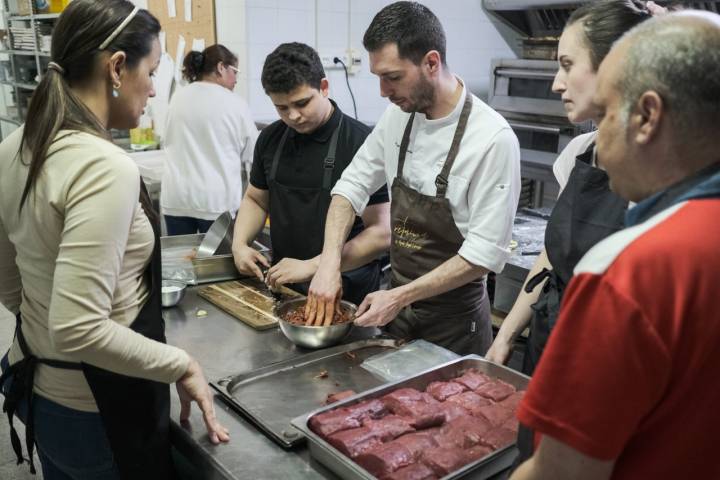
172, 291
219, 237
312, 337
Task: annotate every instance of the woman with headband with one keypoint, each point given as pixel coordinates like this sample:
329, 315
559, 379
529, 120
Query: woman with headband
586, 210
207, 143
88, 370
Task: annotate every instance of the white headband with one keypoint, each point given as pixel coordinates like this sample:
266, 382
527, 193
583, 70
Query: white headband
119, 29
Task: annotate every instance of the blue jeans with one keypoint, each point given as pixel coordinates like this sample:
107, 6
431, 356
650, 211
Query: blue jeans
72, 445
186, 225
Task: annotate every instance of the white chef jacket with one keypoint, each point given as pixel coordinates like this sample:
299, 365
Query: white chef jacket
210, 137
484, 182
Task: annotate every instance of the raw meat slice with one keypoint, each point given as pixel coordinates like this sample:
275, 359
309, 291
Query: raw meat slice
327, 423
453, 410
498, 438
511, 424
495, 414
354, 442
512, 402
409, 402
385, 459
442, 390
470, 401
496, 390
369, 408
336, 397
427, 416
472, 379
477, 452
389, 427
416, 471
418, 442
444, 460
402, 396
463, 432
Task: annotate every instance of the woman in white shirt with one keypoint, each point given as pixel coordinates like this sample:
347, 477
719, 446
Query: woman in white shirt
210, 137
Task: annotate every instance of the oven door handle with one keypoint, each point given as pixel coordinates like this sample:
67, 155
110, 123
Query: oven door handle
534, 128
522, 73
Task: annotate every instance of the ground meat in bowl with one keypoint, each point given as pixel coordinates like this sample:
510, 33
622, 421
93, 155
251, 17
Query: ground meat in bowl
296, 316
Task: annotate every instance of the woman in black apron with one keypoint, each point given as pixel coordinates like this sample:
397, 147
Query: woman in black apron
586, 210
120, 41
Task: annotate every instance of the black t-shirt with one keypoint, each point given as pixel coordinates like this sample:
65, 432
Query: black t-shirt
301, 162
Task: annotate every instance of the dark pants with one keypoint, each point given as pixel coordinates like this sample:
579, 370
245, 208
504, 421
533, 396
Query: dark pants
72, 445
186, 225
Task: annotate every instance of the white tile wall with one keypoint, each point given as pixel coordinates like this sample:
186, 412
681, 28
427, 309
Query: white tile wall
253, 28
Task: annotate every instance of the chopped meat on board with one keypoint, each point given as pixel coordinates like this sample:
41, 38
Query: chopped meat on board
496, 390
472, 379
444, 460
354, 442
389, 427
442, 390
384, 459
416, 471
336, 397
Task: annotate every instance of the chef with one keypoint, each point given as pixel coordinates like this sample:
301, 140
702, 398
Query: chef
297, 161
454, 167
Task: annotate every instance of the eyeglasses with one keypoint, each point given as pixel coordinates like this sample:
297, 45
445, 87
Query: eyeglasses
235, 69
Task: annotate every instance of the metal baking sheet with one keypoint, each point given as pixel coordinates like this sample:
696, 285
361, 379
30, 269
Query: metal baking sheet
481, 469
272, 396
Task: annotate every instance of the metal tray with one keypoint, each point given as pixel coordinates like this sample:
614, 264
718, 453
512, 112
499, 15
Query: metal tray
272, 396
217, 268
483, 468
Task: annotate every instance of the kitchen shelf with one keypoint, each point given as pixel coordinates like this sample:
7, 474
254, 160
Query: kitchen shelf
24, 85
39, 16
5, 118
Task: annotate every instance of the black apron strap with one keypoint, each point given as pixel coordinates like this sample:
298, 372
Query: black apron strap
537, 279
278, 153
23, 375
441, 182
329, 162
404, 145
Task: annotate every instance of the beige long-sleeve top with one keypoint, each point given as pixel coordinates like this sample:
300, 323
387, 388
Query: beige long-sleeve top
72, 262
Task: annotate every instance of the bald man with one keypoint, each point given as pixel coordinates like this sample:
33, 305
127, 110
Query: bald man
640, 326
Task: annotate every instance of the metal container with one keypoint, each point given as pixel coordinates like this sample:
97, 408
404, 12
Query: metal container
172, 291
486, 467
312, 337
218, 238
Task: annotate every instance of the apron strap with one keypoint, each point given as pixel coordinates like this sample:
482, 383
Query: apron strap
441, 182
278, 152
404, 145
23, 375
329, 162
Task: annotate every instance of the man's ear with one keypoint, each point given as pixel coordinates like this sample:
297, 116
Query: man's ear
324, 87
433, 62
647, 116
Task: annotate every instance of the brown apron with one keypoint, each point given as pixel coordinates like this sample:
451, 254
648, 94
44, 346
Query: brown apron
424, 236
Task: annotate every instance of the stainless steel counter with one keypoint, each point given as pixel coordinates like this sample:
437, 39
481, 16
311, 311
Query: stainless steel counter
223, 346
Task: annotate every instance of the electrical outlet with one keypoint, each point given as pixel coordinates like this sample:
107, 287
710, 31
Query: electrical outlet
352, 61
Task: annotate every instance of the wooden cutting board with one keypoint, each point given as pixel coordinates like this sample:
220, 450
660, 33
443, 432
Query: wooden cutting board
248, 300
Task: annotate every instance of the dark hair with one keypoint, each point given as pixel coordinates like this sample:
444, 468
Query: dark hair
291, 65
604, 22
82, 27
196, 65
412, 26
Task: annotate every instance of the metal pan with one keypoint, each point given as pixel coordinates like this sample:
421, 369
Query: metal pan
483, 468
218, 238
